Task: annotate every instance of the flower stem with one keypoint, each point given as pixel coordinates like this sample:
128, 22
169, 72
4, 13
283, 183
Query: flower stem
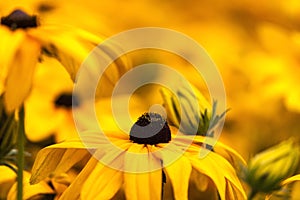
20, 155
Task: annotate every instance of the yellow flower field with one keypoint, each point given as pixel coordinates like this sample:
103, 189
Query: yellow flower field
80, 119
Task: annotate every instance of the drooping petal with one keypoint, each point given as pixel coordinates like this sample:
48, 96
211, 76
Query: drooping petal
62, 44
103, 183
73, 191
179, 173
20, 74
201, 181
57, 158
140, 183
232, 191
230, 154
10, 42
291, 179
29, 190
219, 170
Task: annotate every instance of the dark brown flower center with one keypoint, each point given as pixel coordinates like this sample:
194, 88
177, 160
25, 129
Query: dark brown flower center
66, 100
19, 19
151, 128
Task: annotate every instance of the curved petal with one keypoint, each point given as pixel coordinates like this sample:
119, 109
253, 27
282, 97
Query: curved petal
179, 173
62, 43
291, 179
29, 190
10, 42
230, 154
219, 170
232, 192
57, 158
146, 185
103, 183
20, 74
73, 191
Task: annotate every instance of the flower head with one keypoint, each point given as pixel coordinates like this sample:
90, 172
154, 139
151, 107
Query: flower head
25, 41
137, 165
183, 114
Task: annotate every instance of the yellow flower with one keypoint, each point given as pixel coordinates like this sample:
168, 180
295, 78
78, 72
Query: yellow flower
49, 106
8, 185
268, 169
24, 39
137, 164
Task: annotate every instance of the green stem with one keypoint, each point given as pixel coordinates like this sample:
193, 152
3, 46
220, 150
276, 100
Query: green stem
20, 156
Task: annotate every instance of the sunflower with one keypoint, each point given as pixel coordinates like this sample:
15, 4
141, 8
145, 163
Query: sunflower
139, 164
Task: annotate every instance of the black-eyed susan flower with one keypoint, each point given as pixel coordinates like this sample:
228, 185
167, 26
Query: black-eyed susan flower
49, 106
26, 40
139, 163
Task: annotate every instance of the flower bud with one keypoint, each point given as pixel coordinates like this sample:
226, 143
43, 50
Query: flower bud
190, 112
269, 168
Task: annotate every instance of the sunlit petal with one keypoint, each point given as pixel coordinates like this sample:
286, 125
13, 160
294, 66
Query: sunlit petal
30, 190
179, 173
103, 183
218, 169
21, 73
56, 159
150, 181
73, 191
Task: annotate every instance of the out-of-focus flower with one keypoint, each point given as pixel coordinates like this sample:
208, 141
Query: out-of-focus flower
24, 40
99, 181
50, 188
49, 106
8, 177
268, 169
30, 191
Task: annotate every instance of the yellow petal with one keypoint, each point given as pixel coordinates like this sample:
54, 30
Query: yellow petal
103, 183
73, 191
179, 173
10, 42
231, 192
20, 74
201, 181
140, 183
8, 177
30, 190
291, 179
229, 154
57, 158
219, 170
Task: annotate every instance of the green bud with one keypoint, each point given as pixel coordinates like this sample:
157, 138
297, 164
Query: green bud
269, 168
189, 111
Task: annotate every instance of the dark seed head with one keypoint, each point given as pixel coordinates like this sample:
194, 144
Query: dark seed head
151, 128
19, 19
66, 100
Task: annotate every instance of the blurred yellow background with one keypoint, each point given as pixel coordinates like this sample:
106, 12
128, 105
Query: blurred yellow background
255, 44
